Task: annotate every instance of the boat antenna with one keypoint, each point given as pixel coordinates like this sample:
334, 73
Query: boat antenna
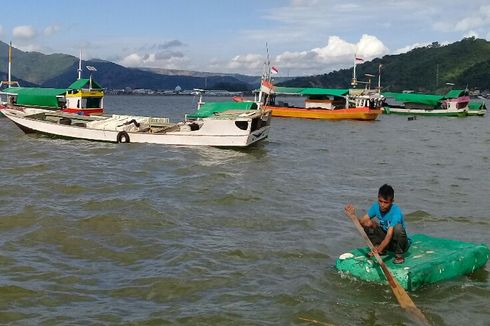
80, 65
91, 69
268, 63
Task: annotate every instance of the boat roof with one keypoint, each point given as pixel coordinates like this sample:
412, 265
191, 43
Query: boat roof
456, 93
288, 90
310, 91
84, 83
209, 108
46, 97
427, 99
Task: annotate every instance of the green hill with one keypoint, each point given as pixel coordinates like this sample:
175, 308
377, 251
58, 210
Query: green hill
425, 69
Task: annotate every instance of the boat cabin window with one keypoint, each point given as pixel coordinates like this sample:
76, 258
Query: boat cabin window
93, 102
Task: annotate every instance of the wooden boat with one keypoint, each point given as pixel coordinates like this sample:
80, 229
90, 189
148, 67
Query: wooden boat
226, 125
84, 96
453, 104
331, 104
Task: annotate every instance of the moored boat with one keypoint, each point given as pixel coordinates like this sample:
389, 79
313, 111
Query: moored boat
453, 104
84, 96
330, 104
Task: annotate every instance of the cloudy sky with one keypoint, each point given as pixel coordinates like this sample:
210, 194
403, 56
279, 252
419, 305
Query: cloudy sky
304, 37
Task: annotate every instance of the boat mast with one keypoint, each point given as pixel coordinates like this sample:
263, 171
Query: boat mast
80, 66
354, 79
266, 77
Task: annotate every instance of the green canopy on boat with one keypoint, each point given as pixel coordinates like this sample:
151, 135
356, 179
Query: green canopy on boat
209, 108
84, 83
35, 96
325, 91
455, 93
287, 90
426, 99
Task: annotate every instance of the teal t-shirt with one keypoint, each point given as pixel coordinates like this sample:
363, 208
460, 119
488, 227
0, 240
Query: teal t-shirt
391, 218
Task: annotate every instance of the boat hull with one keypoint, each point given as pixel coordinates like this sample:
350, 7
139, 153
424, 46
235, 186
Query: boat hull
426, 112
363, 113
217, 133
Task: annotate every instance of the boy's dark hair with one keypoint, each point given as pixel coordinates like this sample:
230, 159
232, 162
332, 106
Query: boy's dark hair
386, 192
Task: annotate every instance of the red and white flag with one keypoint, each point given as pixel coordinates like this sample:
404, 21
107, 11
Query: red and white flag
359, 59
274, 70
266, 87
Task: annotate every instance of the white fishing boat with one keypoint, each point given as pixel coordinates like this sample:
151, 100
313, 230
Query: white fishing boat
222, 124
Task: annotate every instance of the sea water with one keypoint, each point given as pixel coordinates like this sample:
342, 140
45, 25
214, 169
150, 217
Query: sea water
110, 234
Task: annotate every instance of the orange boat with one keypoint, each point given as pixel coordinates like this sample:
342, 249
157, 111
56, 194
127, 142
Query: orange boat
327, 103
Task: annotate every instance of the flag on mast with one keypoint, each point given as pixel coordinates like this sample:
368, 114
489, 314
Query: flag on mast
274, 70
266, 87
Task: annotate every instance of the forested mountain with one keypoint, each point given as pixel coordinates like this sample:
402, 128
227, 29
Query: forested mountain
60, 70
426, 69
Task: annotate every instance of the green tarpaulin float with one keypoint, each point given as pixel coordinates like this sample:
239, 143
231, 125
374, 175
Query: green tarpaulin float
429, 260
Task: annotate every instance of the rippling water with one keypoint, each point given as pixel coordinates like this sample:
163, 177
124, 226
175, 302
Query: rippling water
96, 233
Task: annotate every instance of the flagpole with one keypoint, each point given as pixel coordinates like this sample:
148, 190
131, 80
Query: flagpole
10, 65
354, 80
379, 78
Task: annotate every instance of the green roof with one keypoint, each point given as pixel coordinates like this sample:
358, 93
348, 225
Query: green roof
455, 93
288, 90
209, 108
310, 91
84, 83
35, 96
416, 98
325, 91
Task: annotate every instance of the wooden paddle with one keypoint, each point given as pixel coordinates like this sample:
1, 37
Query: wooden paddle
401, 295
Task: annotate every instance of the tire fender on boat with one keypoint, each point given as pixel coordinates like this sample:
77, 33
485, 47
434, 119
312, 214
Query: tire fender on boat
122, 137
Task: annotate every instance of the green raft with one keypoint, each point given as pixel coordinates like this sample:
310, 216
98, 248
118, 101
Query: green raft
429, 260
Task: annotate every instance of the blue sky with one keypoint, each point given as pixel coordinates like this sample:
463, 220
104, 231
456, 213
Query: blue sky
304, 36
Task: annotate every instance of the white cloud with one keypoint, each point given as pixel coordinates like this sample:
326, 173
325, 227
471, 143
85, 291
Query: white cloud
168, 60
25, 32
246, 62
51, 30
338, 53
477, 21
132, 60
471, 34
410, 47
